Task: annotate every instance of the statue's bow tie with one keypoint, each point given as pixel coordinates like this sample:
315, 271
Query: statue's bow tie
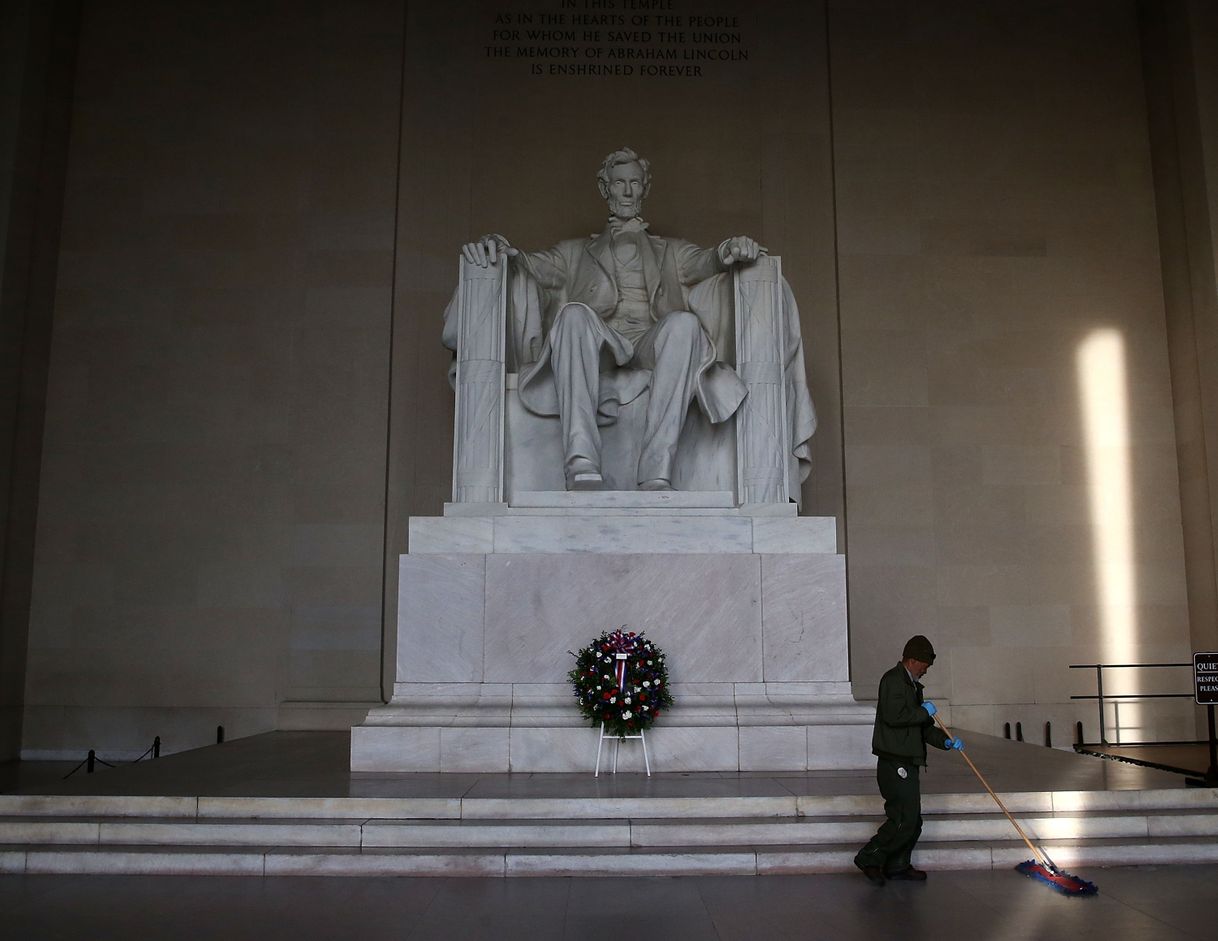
629, 226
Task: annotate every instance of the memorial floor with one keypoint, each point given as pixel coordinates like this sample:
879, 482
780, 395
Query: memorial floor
1134, 902
316, 764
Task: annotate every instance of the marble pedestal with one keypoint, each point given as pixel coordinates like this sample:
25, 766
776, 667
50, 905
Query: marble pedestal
749, 604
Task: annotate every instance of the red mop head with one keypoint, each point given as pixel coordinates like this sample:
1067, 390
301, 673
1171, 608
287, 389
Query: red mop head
1065, 883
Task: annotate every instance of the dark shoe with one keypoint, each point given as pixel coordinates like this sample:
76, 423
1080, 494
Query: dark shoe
873, 873
907, 875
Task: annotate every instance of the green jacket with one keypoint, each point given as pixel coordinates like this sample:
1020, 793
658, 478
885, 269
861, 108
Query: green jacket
902, 727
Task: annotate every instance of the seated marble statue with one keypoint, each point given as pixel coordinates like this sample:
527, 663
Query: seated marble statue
594, 322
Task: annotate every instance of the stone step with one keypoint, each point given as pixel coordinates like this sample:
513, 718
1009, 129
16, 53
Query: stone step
599, 833
600, 808
262, 861
583, 808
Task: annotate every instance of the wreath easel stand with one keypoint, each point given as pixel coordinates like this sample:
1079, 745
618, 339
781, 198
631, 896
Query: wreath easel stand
642, 736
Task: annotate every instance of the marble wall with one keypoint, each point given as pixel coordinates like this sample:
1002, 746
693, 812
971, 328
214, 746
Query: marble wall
1012, 486
1180, 52
210, 533
37, 52
247, 397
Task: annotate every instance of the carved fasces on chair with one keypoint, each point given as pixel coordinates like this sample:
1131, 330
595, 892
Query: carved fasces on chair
762, 427
478, 436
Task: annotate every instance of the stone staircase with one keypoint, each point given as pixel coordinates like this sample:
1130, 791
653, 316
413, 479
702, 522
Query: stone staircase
369, 836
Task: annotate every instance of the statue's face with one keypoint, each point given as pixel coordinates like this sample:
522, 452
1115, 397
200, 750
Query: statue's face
625, 190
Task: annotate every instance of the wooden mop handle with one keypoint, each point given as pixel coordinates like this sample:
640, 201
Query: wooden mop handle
1039, 854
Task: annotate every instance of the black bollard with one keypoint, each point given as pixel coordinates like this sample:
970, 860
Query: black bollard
1006, 730
91, 761
219, 735
1078, 733
156, 747
1019, 731
1048, 735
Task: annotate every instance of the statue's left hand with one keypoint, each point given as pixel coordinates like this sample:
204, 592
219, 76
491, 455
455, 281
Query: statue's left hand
487, 250
740, 248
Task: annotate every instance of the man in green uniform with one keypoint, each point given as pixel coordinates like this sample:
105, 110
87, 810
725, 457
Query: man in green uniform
903, 727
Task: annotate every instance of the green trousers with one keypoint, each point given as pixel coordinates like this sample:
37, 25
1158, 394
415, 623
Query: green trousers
892, 845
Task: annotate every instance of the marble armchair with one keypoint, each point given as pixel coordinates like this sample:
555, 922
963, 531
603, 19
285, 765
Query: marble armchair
502, 452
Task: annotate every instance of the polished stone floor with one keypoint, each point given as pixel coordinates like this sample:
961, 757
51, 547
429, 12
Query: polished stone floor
316, 764
1134, 904
1191, 758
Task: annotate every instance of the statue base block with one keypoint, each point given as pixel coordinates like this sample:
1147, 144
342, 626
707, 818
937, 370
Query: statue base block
750, 608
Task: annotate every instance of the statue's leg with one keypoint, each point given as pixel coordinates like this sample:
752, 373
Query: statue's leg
575, 342
673, 350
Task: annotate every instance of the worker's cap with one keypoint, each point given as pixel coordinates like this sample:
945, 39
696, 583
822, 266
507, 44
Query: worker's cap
918, 648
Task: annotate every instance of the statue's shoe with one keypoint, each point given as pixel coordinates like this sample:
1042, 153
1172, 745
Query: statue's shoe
582, 474
656, 483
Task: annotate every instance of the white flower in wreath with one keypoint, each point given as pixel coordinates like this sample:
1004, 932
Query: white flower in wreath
626, 701
646, 683
627, 714
613, 699
646, 708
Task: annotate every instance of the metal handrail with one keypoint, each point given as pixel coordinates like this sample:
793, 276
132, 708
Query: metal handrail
1099, 689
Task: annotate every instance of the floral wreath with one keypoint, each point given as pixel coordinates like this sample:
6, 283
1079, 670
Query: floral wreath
620, 679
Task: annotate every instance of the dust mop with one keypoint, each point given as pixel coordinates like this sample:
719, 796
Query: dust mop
1042, 867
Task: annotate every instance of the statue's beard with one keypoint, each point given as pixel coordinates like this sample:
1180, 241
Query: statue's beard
625, 209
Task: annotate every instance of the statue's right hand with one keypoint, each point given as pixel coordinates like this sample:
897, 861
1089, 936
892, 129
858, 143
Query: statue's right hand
486, 250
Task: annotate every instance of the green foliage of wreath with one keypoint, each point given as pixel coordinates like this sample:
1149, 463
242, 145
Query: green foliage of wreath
638, 702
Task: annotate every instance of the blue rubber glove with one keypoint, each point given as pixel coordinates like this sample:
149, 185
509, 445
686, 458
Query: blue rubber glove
954, 744
930, 707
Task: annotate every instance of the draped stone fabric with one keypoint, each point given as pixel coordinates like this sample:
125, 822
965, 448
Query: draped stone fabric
679, 276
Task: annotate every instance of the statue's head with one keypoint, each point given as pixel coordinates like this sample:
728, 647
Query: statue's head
624, 180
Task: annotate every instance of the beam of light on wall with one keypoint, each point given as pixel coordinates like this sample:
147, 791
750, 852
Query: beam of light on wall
1103, 391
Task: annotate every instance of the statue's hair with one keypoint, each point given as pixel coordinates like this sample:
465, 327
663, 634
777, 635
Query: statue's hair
617, 158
